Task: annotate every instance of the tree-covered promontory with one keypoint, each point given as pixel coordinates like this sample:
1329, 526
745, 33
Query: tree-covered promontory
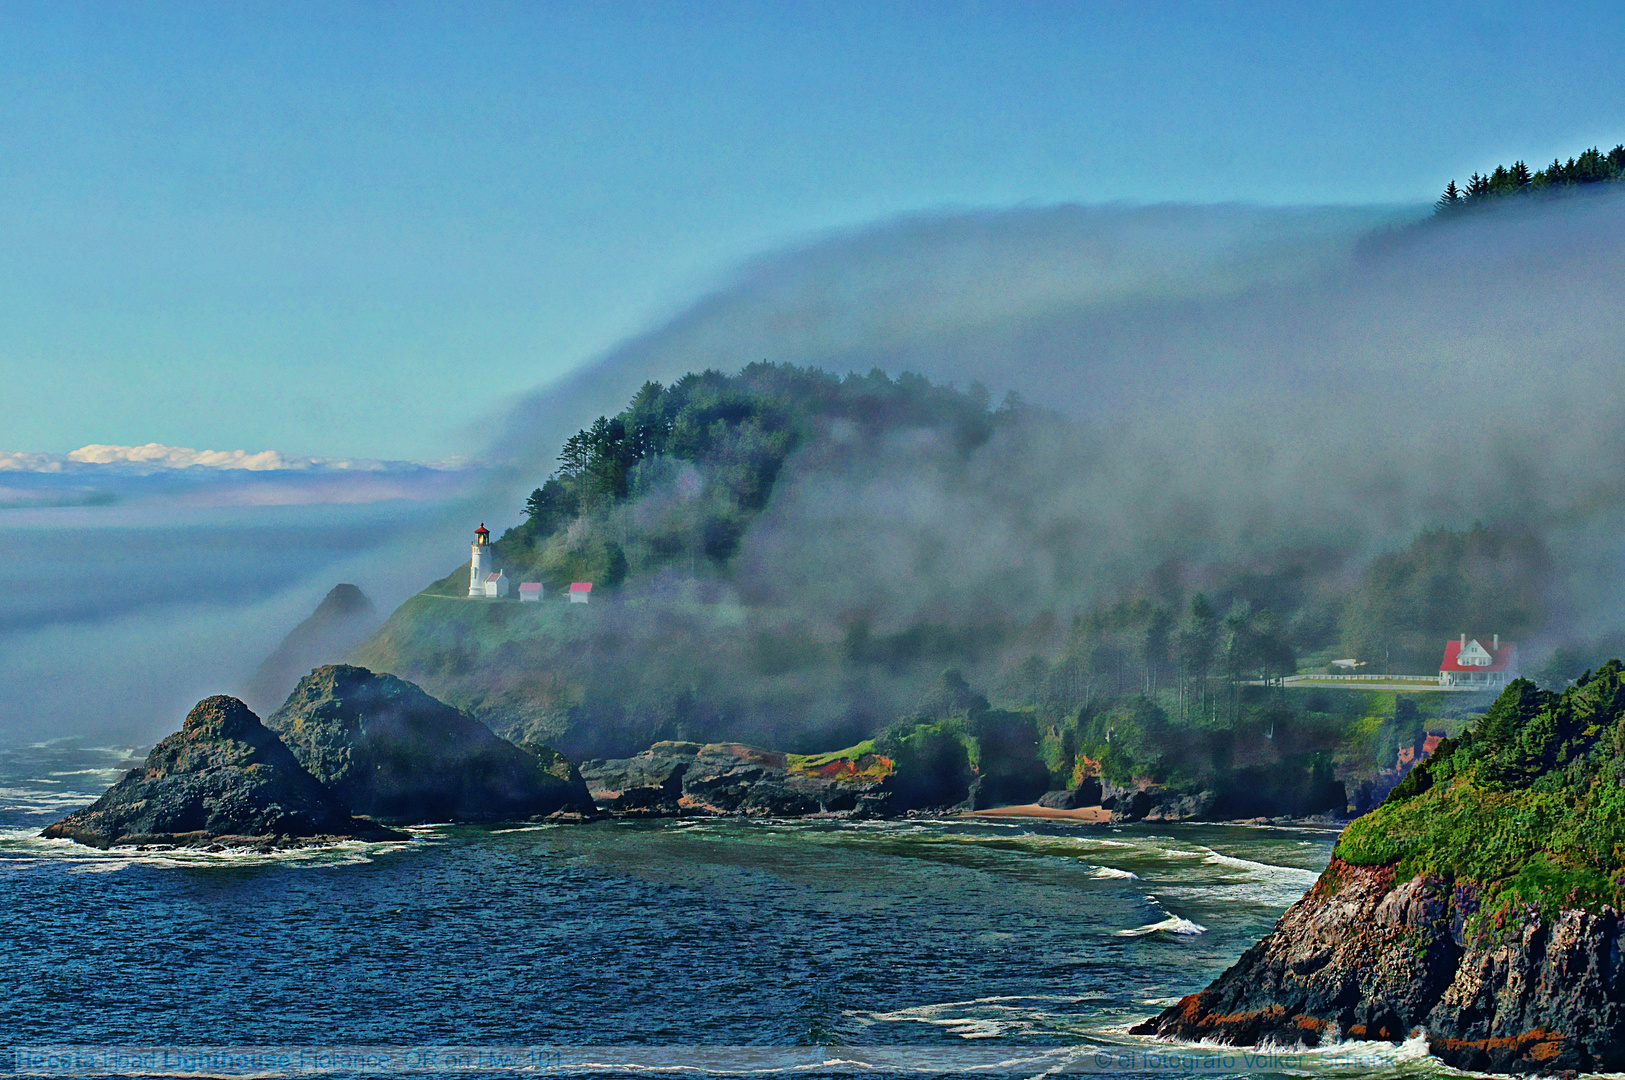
791, 558
701, 457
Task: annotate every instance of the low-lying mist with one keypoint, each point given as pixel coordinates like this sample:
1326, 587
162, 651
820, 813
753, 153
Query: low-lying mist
1276, 375
1207, 387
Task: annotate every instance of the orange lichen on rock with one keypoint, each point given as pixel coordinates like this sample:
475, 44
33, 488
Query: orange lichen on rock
1537, 1046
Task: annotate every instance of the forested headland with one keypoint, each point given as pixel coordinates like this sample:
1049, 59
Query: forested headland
763, 572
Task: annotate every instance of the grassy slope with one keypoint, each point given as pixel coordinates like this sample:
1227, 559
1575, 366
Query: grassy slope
523, 668
1529, 806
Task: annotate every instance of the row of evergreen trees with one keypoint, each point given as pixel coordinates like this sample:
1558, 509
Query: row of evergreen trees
1591, 167
1137, 647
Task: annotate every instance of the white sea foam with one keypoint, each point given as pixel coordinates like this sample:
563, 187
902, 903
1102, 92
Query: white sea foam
981, 1018
1113, 872
1173, 924
34, 800
1353, 1058
25, 848
1043, 845
1284, 873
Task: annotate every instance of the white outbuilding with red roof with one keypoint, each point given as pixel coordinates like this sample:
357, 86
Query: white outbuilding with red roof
530, 591
580, 592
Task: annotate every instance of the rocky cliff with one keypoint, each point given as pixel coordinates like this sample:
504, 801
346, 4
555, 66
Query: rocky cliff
1362, 958
1479, 903
391, 751
224, 778
672, 778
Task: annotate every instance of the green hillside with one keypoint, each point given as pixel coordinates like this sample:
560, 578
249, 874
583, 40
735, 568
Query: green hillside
1527, 806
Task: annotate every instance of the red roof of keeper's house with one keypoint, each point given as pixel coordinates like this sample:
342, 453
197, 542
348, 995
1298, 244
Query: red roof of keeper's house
581, 586
1500, 659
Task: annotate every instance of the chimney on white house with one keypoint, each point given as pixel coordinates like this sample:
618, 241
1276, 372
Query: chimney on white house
1464, 641
1497, 645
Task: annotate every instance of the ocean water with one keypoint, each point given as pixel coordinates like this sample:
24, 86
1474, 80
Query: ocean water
1036, 942
115, 619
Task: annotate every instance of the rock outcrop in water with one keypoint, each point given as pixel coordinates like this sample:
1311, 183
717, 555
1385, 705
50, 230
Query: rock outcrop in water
672, 778
391, 751
1361, 958
1479, 903
224, 778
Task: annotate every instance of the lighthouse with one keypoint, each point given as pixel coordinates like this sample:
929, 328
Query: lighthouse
480, 565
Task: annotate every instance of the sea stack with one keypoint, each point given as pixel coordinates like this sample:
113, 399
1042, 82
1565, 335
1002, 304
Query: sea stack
1478, 904
340, 622
224, 778
391, 751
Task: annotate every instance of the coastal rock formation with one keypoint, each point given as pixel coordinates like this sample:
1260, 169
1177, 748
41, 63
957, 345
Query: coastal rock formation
1151, 802
224, 778
1086, 793
672, 778
1479, 903
1352, 959
1360, 958
391, 751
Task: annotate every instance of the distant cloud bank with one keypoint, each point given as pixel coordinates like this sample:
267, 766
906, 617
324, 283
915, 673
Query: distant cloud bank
154, 457
101, 475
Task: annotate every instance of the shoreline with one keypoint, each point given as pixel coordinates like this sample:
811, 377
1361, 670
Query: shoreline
1099, 815
1093, 815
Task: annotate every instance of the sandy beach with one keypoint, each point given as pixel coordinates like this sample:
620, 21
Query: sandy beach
1093, 814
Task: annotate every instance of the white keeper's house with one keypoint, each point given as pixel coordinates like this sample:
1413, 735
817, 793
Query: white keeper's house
1470, 664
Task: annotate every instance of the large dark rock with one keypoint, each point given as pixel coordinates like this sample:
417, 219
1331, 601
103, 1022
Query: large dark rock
391, 751
731, 778
647, 784
223, 778
672, 778
1087, 793
1361, 958
1152, 802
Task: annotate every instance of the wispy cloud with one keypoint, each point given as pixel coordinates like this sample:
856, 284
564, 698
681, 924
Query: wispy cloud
154, 457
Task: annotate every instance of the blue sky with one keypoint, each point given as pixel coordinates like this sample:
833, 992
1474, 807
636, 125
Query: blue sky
360, 229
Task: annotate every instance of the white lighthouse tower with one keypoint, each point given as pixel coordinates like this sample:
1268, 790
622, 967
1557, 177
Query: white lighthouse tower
480, 565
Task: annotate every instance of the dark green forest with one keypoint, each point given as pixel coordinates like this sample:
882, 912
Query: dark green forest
1591, 167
